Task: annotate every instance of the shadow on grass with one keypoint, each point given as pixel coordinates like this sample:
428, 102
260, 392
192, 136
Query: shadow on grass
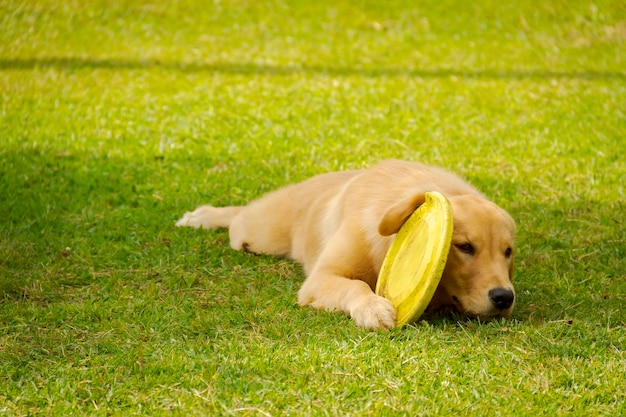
70, 63
61, 221
66, 217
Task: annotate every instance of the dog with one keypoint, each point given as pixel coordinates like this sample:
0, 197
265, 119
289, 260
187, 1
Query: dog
339, 226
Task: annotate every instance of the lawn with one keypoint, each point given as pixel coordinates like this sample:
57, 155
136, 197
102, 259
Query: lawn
118, 116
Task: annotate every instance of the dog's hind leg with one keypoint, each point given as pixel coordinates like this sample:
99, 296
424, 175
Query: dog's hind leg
263, 226
256, 228
209, 217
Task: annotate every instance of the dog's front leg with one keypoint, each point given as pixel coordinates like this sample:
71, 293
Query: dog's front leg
354, 297
334, 284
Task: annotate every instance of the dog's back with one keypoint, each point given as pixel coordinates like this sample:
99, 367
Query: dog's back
296, 221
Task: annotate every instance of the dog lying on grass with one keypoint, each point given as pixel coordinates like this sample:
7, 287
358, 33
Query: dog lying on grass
339, 226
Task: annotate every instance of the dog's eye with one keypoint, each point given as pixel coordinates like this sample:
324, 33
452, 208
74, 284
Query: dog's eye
466, 248
508, 252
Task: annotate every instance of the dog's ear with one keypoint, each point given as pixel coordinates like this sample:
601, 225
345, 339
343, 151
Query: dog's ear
396, 215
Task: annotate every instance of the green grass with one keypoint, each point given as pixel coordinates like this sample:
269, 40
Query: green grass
117, 117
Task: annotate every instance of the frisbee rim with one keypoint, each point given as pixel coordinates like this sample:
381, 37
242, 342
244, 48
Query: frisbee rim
433, 217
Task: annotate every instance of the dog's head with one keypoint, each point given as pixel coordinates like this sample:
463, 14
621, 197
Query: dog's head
478, 276
477, 279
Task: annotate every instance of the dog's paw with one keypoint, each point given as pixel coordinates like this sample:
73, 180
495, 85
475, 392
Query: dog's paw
188, 220
201, 217
374, 312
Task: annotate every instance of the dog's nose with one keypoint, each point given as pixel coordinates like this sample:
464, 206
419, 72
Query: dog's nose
501, 298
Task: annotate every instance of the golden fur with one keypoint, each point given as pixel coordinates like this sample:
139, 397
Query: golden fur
339, 226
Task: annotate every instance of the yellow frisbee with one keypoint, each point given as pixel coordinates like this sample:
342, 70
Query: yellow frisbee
415, 261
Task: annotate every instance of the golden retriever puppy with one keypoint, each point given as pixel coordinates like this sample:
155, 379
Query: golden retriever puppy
339, 226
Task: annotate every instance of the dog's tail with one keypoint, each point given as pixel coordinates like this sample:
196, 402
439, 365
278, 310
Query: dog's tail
209, 217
